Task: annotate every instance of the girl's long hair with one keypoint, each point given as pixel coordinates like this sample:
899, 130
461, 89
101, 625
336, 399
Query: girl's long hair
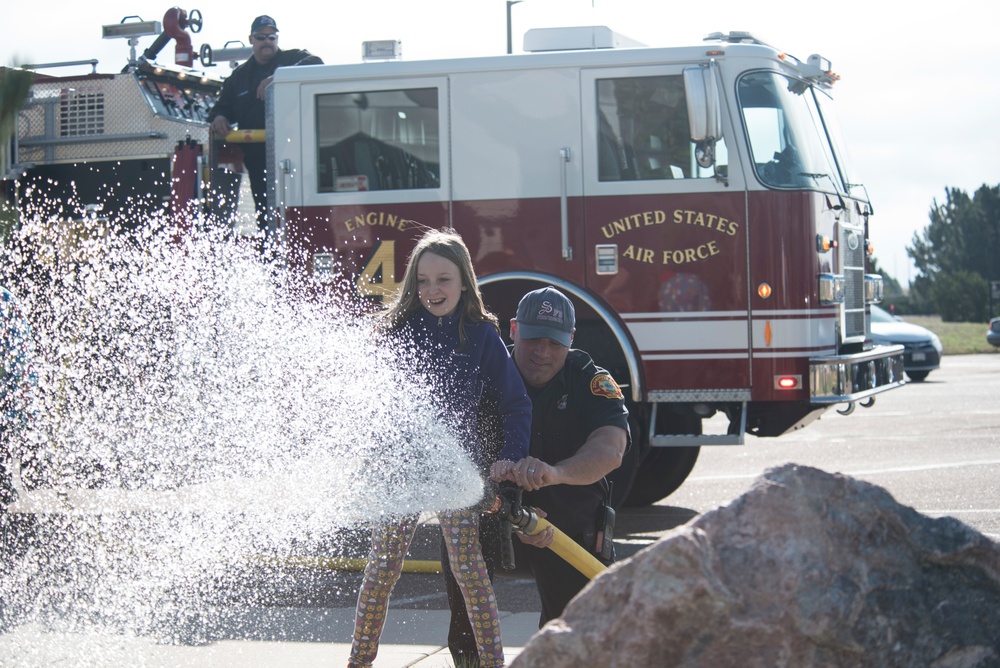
449, 245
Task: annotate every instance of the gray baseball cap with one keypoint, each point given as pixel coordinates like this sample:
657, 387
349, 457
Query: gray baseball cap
546, 313
261, 22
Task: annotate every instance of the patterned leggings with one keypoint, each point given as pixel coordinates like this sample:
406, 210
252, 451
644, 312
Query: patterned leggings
385, 563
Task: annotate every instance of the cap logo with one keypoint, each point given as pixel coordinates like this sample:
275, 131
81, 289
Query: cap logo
549, 312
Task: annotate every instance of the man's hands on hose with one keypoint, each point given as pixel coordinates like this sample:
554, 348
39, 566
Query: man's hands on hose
220, 126
542, 538
530, 473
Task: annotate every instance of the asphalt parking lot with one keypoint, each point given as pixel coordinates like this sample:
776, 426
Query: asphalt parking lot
933, 445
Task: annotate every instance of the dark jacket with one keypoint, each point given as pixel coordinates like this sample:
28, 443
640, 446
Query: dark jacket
238, 99
581, 398
464, 374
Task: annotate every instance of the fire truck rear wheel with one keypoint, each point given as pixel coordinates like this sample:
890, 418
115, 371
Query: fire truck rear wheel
660, 474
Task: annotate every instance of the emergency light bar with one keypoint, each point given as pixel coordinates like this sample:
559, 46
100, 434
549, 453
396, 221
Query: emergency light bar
383, 49
130, 30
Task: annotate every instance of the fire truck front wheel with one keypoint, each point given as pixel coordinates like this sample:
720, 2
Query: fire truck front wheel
660, 474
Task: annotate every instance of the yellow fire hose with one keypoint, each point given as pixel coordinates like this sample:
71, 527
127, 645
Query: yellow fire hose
245, 136
349, 563
575, 555
567, 548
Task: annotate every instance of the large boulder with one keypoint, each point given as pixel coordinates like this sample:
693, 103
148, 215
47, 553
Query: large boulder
805, 569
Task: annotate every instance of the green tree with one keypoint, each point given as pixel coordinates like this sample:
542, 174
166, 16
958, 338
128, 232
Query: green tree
893, 295
961, 296
961, 242
890, 285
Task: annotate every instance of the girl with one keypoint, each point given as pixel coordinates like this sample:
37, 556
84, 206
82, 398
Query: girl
440, 311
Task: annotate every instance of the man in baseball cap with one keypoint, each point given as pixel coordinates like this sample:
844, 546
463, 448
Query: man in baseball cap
579, 433
241, 103
546, 314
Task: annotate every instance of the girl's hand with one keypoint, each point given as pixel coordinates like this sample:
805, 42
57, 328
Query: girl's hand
500, 470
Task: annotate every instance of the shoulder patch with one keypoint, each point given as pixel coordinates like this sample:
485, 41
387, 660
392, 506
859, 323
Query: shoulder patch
603, 385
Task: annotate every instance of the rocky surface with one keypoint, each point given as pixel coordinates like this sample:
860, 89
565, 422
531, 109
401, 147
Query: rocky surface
805, 569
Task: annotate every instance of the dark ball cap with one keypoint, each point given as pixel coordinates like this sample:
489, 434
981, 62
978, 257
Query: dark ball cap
262, 22
546, 314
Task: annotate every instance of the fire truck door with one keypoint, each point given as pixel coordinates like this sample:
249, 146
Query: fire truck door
665, 237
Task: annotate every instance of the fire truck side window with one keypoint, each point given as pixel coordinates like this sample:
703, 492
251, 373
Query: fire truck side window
643, 131
378, 140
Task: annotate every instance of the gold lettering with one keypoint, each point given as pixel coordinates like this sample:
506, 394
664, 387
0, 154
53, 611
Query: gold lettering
647, 256
377, 218
629, 252
691, 255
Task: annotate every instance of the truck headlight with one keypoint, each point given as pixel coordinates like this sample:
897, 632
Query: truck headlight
831, 289
874, 288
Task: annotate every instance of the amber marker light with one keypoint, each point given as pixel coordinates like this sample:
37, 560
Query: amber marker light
764, 290
824, 243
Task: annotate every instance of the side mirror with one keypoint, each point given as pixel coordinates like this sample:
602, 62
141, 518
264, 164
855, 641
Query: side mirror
704, 115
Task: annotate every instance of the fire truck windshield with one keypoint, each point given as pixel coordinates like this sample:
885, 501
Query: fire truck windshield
848, 174
788, 142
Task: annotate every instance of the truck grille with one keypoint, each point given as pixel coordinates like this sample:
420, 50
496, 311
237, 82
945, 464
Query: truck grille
852, 257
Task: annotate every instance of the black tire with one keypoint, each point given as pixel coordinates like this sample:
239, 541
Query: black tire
917, 376
660, 474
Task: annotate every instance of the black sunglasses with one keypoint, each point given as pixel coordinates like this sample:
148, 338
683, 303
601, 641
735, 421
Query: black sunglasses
272, 37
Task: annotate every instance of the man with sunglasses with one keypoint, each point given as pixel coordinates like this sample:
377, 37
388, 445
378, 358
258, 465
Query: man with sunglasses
241, 103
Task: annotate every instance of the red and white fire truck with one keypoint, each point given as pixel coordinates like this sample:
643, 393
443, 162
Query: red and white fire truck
697, 204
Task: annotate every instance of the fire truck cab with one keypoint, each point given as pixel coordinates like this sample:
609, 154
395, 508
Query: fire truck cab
696, 203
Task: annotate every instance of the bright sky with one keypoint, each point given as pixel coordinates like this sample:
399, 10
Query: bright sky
918, 97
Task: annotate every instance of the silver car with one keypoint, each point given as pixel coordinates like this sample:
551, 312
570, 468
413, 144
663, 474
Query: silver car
923, 348
993, 333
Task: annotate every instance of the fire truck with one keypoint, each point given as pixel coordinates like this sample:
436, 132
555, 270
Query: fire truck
696, 203
130, 140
